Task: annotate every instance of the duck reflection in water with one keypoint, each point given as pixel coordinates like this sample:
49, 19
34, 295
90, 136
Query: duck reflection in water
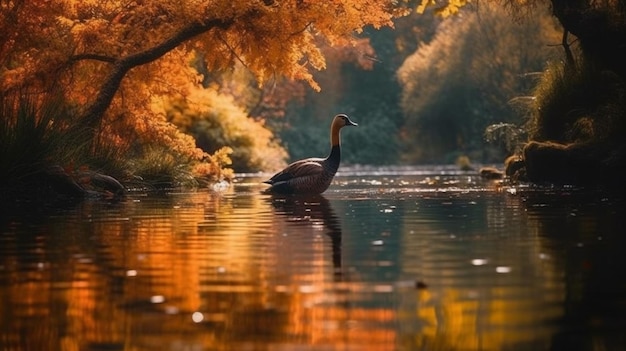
310, 210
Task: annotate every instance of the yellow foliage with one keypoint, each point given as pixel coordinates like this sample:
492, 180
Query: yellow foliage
450, 7
216, 121
213, 166
421, 8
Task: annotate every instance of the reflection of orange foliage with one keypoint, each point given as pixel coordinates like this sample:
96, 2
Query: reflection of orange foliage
256, 278
491, 323
462, 313
344, 326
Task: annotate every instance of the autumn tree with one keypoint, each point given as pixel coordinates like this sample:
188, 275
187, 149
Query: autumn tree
598, 27
113, 59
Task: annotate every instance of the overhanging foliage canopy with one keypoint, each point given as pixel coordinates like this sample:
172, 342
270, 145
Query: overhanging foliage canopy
89, 47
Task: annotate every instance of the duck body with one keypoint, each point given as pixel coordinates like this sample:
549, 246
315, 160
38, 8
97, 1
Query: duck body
312, 175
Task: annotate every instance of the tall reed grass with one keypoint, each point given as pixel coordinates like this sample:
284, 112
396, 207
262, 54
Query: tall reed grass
42, 139
35, 135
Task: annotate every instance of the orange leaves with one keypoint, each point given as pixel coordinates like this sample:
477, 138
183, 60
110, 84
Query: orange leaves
30, 45
87, 47
284, 38
270, 38
214, 166
88, 35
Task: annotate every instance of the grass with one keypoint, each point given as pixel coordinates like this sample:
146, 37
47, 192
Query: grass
36, 135
157, 168
39, 140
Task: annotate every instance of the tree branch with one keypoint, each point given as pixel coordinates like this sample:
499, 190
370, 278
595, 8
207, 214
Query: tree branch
94, 112
81, 57
566, 46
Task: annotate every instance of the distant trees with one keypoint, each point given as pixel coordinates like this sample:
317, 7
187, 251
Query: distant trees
599, 27
360, 81
577, 117
462, 81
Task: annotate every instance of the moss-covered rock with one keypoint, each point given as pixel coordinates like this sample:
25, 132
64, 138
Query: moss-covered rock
577, 163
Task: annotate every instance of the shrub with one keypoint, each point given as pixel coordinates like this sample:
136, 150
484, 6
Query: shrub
215, 121
576, 103
40, 143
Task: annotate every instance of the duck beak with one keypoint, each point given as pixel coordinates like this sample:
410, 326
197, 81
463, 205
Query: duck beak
350, 123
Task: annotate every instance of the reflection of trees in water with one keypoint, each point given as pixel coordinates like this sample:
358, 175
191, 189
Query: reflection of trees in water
584, 233
136, 274
345, 318
469, 307
102, 275
225, 258
308, 210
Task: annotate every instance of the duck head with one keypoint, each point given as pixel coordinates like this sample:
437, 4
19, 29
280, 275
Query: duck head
343, 120
340, 121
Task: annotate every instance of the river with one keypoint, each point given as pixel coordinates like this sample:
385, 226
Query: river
387, 259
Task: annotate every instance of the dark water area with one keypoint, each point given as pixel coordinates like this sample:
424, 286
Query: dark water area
391, 259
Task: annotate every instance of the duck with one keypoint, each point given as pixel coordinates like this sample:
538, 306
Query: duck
312, 175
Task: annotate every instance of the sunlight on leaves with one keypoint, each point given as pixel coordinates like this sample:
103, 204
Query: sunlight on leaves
451, 7
118, 56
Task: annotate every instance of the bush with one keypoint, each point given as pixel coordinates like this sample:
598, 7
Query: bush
42, 149
215, 121
577, 103
459, 83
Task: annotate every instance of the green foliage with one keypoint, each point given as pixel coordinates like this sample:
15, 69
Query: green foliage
307, 137
372, 142
369, 95
509, 135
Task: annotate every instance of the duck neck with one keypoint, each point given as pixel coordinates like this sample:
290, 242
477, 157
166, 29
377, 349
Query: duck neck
335, 140
335, 149
334, 158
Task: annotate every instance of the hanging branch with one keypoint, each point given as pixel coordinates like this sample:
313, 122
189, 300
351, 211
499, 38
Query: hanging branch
94, 112
569, 57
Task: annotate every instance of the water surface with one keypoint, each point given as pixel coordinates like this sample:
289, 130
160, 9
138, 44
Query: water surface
391, 259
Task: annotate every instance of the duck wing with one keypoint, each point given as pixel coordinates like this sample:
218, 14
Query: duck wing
302, 168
